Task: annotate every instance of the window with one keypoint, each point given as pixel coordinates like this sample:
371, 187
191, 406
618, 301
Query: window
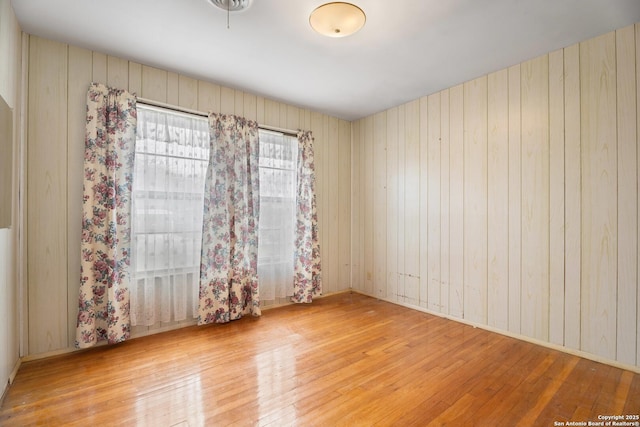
171, 159
278, 182
172, 152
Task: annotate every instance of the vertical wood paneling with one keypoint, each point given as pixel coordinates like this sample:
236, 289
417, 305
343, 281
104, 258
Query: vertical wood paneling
535, 198
572, 197
444, 201
47, 197
456, 201
305, 119
379, 204
317, 129
135, 78
627, 322
412, 202
250, 108
271, 113
331, 223
515, 205
187, 92
80, 72
173, 88
238, 108
498, 200
260, 110
424, 202
284, 113
475, 200
367, 208
637, 39
599, 201
356, 216
556, 197
227, 100
208, 97
344, 201
293, 118
402, 222
433, 208
99, 63
324, 195
154, 84
393, 219
117, 72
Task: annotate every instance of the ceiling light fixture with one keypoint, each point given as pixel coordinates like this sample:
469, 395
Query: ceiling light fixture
337, 19
231, 5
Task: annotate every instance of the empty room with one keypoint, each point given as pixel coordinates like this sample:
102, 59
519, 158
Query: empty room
312, 213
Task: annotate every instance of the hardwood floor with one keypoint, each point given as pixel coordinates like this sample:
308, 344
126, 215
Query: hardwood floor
346, 359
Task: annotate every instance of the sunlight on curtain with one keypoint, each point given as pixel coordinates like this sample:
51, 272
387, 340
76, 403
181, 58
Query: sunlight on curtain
172, 151
278, 160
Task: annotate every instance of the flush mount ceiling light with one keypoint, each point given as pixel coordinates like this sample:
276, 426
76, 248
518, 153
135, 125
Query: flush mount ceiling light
337, 19
231, 5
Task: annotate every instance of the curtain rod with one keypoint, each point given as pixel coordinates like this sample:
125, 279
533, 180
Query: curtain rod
203, 114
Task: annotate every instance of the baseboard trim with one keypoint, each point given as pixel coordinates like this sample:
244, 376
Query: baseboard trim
520, 337
12, 377
64, 351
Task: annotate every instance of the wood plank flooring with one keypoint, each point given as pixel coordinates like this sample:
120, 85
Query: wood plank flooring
346, 359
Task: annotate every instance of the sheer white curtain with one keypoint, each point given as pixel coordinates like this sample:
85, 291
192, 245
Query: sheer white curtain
172, 151
278, 178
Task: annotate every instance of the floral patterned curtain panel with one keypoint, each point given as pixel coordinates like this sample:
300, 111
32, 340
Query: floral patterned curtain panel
307, 281
108, 166
228, 268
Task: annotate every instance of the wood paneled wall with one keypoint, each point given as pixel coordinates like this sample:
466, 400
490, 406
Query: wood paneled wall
59, 76
511, 201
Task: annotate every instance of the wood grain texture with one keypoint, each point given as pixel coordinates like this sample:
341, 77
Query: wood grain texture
432, 182
117, 72
393, 219
572, 196
154, 84
344, 208
456, 200
173, 88
535, 198
187, 92
80, 71
412, 202
556, 198
445, 196
599, 195
498, 200
356, 218
424, 202
100, 71
637, 38
401, 205
475, 200
515, 199
379, 204
332, 254
626, 96
367, 207
301, 366
47, 196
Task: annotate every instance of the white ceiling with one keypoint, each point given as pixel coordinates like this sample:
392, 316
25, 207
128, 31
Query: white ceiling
407, 48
